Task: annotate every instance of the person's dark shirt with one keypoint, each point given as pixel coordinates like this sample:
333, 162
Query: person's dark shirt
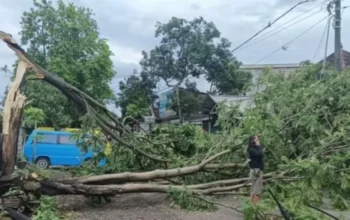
256, 156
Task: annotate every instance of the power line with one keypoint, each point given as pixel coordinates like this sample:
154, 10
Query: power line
287, 22
322, 38
285, 28
285, 46
326, 47
271, 23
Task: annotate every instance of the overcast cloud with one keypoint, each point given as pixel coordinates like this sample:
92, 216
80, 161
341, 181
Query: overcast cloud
129, 27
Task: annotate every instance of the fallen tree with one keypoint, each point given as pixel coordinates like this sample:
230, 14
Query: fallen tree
12, 119
58, 188
303, 121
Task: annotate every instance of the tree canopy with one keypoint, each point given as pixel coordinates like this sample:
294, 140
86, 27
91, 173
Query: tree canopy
232, 81
136, 96
187, 49
64, 39
33, 117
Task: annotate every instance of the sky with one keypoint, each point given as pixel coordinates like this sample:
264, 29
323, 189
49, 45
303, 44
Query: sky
129, 27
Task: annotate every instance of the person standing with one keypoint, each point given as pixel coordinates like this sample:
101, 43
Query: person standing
256, 165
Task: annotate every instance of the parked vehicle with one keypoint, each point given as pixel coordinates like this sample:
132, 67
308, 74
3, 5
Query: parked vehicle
56, 148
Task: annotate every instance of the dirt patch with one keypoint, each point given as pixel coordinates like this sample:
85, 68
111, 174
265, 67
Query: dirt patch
147, 206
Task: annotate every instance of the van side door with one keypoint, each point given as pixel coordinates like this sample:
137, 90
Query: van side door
68, 144
43, 145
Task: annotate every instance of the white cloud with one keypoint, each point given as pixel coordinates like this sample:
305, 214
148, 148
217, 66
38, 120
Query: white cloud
129, 27
125, 54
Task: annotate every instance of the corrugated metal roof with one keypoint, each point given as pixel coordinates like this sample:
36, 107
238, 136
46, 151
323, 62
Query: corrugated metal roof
219, 98
262, 66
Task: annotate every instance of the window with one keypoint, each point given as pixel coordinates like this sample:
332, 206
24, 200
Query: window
46, 138
67, 139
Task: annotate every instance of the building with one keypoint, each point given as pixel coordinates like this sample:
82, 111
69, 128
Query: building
345, 61
207, 115
257, 71
167, 115
141, 124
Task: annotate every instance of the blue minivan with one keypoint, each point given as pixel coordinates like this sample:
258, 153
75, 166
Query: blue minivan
56, 148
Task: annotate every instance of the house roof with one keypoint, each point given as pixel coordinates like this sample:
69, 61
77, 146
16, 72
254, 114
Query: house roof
346, 58
228, 98
206, 103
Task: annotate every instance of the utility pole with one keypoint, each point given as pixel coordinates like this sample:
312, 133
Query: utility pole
337, 44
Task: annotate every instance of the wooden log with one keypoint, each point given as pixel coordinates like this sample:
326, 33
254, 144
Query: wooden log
12, 118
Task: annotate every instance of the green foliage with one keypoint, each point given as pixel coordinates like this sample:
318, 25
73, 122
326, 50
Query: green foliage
185, 140
136, 95
33, 116
304, 124
33, 168
90, 137
187, 48
181, 50
190, 102
192, 49
185, 199
51, 101
231, 81
64, 39
183, 145
253, 211
48, 209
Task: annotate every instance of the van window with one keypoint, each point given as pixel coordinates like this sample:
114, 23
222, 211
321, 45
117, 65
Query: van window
46, 138
67, 139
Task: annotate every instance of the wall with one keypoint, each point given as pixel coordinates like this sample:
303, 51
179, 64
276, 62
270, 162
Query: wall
258, 70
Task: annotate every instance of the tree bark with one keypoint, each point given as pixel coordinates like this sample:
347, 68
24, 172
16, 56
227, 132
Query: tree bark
58, 188
224, 166
145, 176
12, 120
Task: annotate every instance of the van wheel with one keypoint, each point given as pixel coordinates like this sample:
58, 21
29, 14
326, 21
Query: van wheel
43, 162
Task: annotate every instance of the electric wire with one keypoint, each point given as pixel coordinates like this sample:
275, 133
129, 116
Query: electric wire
271, 23
291, 41
268, 34
326, 46
285, 28
321, 41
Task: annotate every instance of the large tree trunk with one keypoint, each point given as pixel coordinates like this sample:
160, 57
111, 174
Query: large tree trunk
146, 176
12, 118
59, 188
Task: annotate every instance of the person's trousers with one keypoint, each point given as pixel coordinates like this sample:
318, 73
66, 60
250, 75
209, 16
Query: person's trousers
256, 176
